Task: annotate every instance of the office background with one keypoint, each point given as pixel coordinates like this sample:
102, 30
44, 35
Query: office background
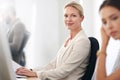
44, 19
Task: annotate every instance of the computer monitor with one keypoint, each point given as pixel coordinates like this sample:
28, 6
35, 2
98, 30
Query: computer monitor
6, 69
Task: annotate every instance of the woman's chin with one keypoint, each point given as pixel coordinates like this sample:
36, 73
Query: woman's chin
116, 37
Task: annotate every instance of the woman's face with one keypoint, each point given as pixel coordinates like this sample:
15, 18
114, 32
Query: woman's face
72, 18
110, 18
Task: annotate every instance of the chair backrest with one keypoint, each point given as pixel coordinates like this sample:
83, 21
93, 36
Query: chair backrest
26, 37
92, 61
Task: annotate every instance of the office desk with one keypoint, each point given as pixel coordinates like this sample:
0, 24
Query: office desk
33, 79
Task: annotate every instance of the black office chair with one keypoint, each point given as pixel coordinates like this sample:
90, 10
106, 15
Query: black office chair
90, 68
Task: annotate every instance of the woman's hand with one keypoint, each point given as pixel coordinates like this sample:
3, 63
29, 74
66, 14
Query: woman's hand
25, 72
105, 39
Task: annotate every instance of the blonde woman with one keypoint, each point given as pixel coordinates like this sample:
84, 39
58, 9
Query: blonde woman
73, 56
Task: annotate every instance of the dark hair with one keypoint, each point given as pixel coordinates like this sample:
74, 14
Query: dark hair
112, 3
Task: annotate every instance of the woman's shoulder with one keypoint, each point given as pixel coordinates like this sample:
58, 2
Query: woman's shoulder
82, 37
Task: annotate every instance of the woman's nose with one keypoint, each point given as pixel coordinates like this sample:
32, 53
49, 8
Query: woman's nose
69, 18
109, 25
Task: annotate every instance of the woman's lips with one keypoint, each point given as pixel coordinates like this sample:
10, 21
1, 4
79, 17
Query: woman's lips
113, 33
69, 24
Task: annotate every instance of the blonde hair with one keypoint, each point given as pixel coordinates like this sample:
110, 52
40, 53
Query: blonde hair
77, 6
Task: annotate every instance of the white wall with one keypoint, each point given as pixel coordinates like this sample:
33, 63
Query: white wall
45, 42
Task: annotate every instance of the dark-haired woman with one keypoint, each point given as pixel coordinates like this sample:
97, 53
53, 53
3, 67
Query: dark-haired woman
110, 17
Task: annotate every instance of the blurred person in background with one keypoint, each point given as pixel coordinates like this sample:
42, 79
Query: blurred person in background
15, 31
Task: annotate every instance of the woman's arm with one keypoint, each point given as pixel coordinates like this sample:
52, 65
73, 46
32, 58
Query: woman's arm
101, 69
101, 54
101, 61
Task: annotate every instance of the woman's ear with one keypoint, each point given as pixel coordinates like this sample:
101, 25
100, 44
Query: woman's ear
82, 17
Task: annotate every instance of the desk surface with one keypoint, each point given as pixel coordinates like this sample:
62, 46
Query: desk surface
33, 79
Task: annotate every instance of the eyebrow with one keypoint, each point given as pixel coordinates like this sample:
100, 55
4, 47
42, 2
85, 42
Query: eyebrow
111, 15
71, 13
114, 14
